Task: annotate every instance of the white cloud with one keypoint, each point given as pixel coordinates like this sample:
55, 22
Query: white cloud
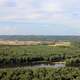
45, 10
65, 12
26, 4
51, 6
39, 10
2, 3
7, 10
8, 30
7, 3
8, 17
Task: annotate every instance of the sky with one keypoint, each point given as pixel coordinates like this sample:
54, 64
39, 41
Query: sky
39, 17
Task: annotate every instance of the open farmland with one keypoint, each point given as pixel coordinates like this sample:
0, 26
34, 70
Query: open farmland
27, 43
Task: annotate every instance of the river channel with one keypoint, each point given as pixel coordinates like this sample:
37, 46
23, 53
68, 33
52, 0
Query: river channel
56, 65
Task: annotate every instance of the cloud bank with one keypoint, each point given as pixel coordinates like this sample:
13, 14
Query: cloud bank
65, 12
41, 9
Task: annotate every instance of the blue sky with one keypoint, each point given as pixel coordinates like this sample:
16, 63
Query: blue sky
39, 17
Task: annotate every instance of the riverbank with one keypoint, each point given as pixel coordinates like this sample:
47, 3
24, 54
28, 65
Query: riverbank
38, 65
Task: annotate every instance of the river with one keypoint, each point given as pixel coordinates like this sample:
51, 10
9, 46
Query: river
42, 65
56, 65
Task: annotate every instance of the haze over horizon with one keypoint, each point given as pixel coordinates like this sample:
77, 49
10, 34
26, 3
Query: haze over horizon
39, 17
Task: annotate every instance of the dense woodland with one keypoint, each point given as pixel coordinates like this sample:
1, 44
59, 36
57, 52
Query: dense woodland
40, 74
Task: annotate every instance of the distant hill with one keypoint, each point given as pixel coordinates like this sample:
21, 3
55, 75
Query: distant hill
43, 38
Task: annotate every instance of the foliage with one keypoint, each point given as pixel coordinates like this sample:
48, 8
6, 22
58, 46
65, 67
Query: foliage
30, 55
40, 74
